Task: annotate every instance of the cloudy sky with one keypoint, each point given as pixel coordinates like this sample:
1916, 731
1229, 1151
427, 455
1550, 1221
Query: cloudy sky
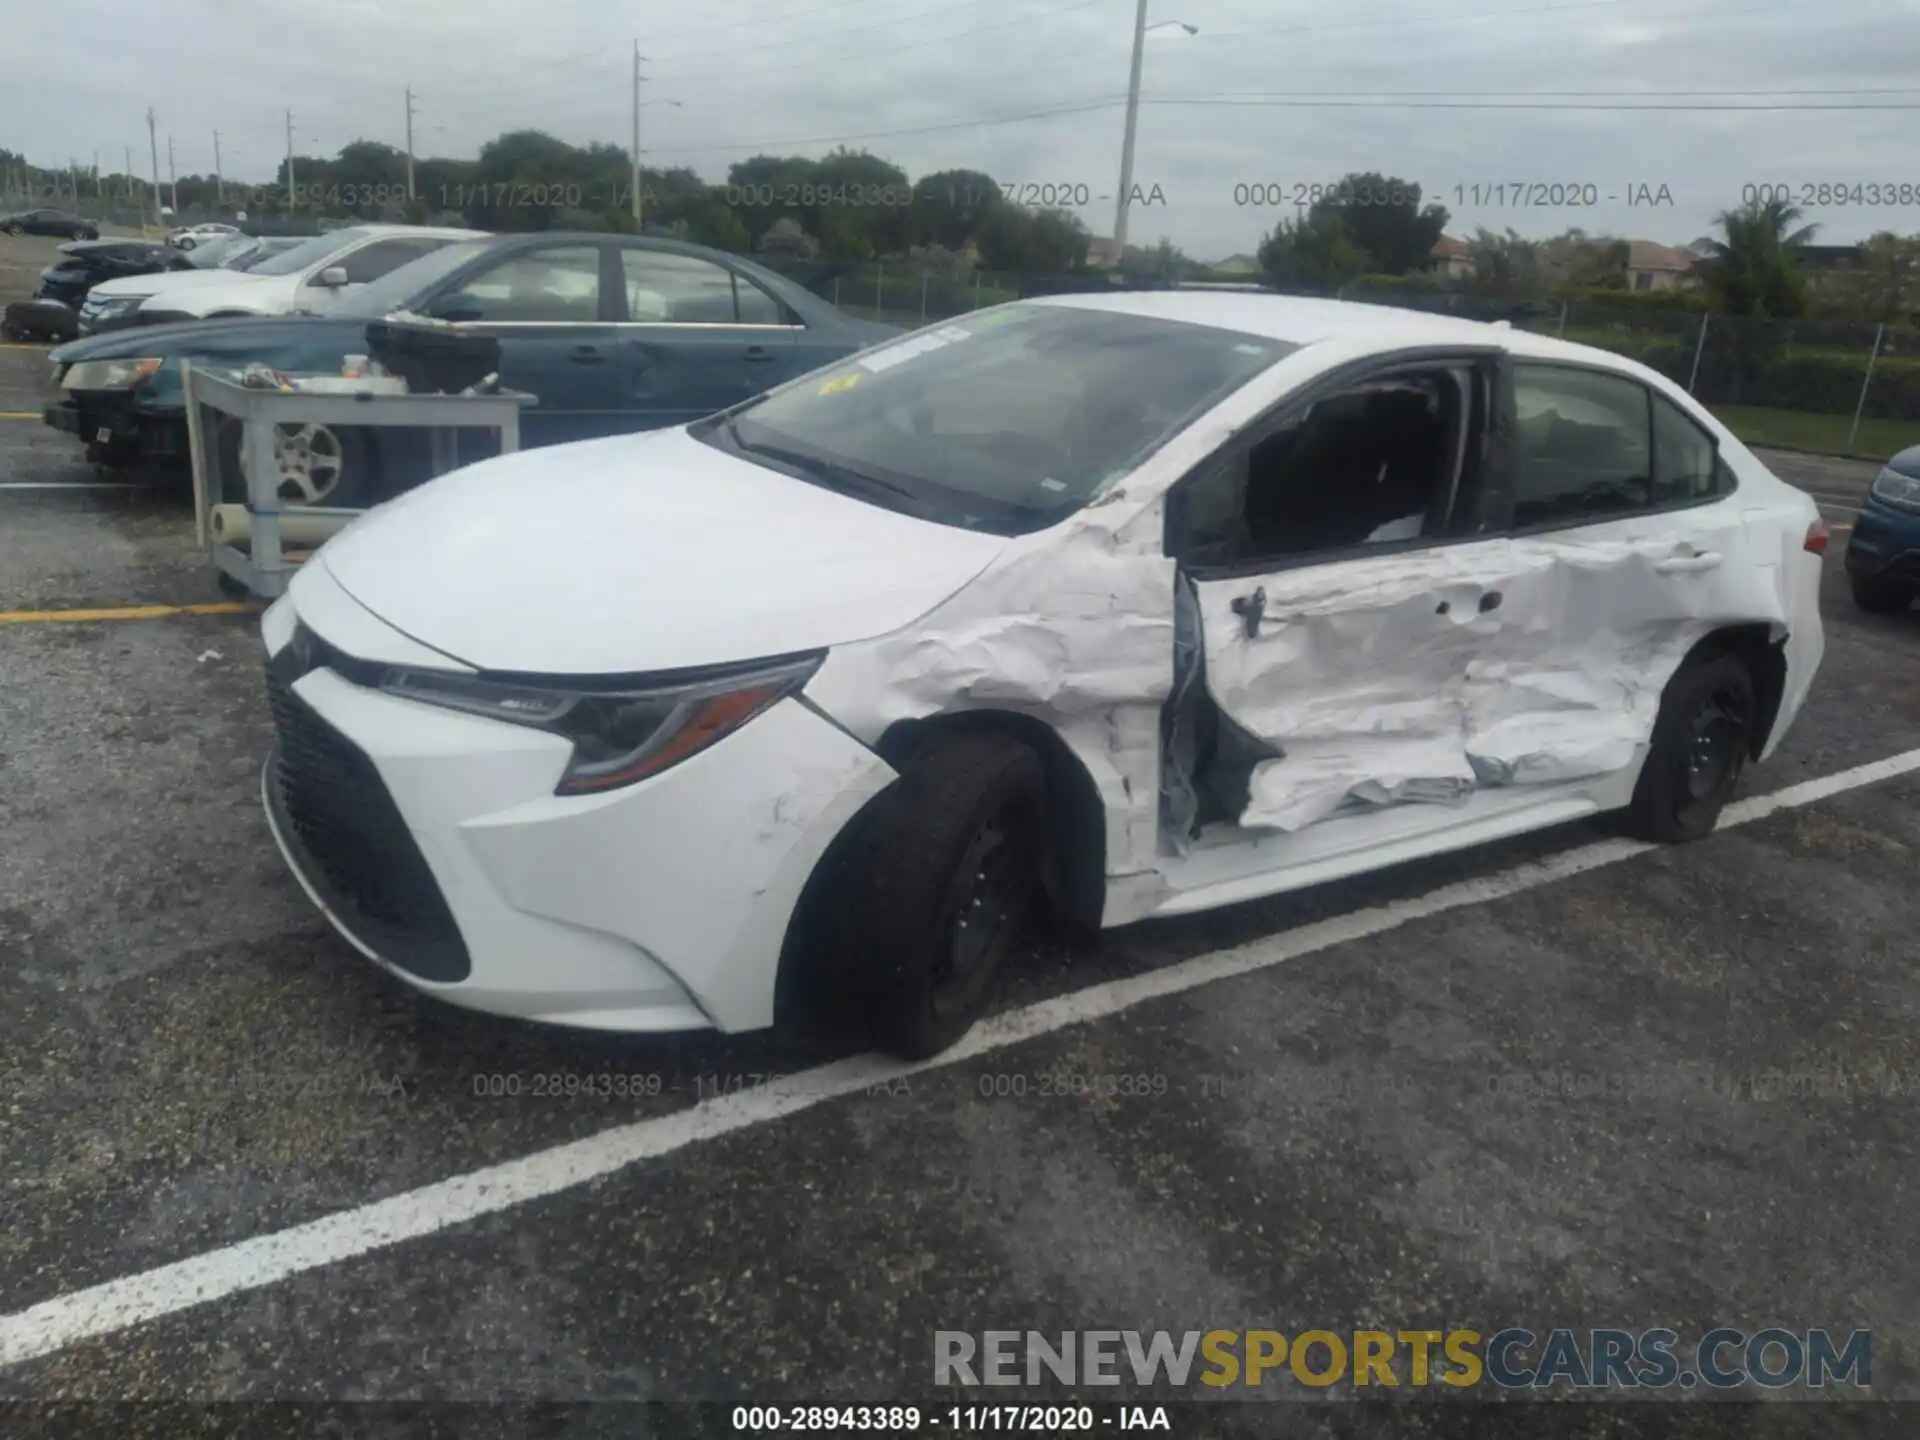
1448, 93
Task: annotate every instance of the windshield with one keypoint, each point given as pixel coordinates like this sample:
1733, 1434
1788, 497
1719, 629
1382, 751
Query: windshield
308, 252
408, 283
1006, 420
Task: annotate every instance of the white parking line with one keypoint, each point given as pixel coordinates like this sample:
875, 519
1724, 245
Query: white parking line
415, 1214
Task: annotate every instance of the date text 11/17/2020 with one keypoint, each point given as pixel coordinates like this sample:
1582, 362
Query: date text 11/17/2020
1483, 195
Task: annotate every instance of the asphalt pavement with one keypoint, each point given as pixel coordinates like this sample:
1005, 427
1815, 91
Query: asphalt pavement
1677, 1089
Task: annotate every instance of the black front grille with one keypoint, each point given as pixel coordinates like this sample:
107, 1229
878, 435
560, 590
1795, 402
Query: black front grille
352, 844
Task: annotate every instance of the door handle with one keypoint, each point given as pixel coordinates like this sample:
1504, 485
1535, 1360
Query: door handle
587, 355
1250, 608
1490, 601
757, 352
1689, 564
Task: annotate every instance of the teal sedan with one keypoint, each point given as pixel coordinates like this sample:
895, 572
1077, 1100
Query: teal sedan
611, 333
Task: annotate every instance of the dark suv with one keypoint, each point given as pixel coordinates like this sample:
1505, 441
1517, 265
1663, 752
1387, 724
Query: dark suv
49, 222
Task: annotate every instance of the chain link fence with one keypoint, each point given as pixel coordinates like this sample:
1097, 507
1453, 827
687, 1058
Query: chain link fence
1833, 386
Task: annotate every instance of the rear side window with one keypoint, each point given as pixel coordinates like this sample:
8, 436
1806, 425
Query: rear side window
668, 289
1584, 451
1686, 466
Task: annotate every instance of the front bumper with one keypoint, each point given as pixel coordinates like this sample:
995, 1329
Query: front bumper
110, 425
1884, 545
434, 843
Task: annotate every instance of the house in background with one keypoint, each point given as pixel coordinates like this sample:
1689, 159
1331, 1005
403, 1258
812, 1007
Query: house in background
1235, 267
1103, 252
1450, 259
1652, 266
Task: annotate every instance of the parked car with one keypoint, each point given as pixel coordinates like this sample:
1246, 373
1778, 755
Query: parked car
310, 275
1883, 553
1126, 605
186, 237
118, 307
310, 278
612, 333
86, 263
49, 222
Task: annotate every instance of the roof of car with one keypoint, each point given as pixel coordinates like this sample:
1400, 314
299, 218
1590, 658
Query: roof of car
377, 228
1300, 320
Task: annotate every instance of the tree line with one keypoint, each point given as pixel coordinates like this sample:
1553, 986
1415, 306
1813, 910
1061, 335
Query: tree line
852, 206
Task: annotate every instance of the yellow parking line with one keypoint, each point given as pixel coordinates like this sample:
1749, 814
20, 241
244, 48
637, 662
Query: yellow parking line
22, 345
128, 612
19, 414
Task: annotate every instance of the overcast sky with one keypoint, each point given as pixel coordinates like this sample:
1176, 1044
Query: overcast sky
1270, 91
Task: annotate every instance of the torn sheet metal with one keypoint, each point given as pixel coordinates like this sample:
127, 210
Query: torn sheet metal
1073, 627
1423, 677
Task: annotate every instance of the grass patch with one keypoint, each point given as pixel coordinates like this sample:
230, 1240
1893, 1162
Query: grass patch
1817, 434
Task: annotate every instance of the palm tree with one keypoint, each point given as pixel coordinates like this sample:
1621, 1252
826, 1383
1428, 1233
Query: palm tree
1755, 270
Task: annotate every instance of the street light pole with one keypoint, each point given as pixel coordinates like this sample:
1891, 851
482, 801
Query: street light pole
636, 135
1133, 122
409, 143
153, 153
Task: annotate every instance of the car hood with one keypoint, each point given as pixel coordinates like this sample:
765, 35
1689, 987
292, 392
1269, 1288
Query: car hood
136, 286
231, 286
642, 553
286, 342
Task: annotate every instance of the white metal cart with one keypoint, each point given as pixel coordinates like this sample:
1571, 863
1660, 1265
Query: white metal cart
264, 567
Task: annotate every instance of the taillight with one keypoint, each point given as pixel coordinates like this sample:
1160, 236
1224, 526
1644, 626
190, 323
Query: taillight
1816, 541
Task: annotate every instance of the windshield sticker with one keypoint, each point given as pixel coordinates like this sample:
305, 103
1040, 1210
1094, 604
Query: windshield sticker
1052, 484
1251, 349
836, 384
909, 349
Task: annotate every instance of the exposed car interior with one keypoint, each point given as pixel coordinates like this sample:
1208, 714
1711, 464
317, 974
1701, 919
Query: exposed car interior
1375, 464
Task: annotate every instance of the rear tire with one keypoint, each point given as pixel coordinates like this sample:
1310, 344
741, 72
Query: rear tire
1882, 597
943, 886
1701, 742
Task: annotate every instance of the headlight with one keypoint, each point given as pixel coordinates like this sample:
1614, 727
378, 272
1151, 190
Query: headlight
1893, 488
111, 374
112, 304
619, 736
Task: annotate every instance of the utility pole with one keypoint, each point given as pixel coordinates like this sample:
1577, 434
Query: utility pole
126, 153
290, 187
1133, 121
153, 151
409, 143
173, 177
636, 134
219, 195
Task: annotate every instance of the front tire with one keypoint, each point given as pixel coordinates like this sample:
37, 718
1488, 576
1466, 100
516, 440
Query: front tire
1882, 597
1701, 742
945, 887
83, 235
16, 229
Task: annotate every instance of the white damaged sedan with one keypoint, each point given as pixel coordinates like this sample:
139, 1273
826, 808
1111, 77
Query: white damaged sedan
1109, 607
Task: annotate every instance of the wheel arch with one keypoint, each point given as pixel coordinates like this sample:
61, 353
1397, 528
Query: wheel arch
1073, 871
1766, 660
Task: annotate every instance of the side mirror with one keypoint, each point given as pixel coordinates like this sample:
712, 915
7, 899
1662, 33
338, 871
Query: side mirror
454, 306
333, 277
